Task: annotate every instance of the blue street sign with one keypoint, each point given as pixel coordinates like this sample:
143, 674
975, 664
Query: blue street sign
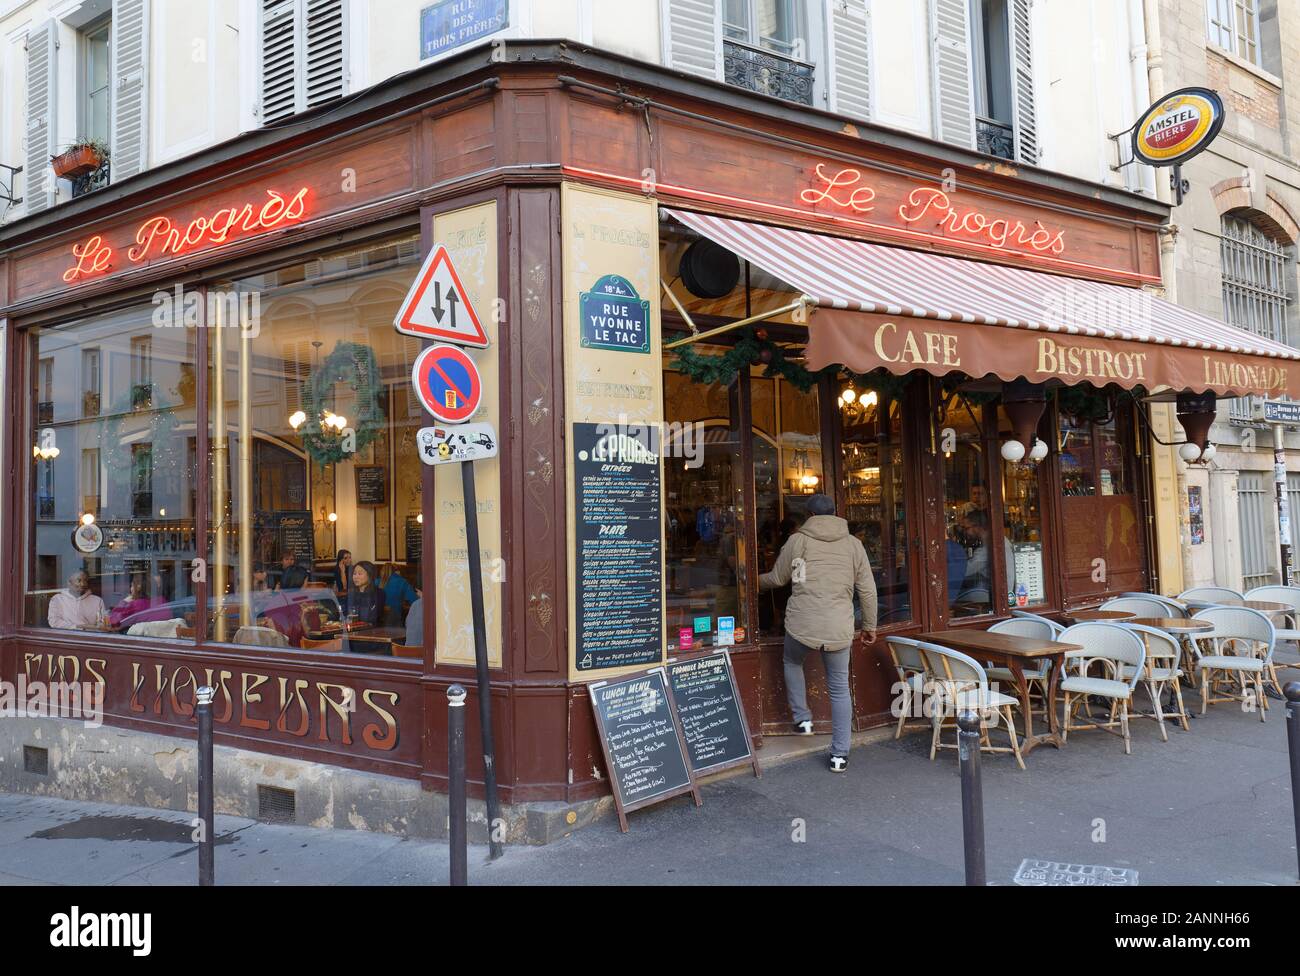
451, 24
614, 316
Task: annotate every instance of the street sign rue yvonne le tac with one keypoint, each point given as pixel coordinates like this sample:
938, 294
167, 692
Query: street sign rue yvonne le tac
447, 383
466, 442
438, 307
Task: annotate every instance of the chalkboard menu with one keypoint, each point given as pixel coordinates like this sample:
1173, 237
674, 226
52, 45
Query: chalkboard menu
297, 536
372, 486
642, 741
710, 713
619, 555
414, 539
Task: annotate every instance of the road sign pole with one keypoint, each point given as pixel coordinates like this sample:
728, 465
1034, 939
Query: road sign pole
481, 657
1283, 509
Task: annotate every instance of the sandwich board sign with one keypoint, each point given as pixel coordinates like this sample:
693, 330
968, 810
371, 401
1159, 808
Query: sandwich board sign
447, 383
465, 442
438, 307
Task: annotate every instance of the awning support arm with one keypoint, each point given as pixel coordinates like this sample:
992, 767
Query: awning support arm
802, 303
678, 305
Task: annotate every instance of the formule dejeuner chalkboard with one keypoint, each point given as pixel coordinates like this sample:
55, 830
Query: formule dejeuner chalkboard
710, 714
641, 738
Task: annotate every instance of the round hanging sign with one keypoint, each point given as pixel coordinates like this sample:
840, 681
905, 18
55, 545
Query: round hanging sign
88, 538
1178, 126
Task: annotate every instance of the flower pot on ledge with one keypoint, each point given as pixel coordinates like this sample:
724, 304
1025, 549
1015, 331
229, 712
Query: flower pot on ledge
78, 161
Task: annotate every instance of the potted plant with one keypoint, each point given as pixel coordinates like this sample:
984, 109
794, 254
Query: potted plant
80, 158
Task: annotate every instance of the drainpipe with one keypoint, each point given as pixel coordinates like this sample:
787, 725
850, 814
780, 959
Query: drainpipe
1163, 413
1139, 68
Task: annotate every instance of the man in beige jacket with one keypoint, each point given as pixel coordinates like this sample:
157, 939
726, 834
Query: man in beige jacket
825, 566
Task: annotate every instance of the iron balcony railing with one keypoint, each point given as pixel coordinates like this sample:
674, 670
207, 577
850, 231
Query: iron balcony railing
767, 73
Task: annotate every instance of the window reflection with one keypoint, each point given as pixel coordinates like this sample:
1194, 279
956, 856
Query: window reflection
1022, 517
970, 532
704, 504
871, 429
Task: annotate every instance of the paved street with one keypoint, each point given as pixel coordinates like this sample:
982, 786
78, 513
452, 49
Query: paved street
1211, 806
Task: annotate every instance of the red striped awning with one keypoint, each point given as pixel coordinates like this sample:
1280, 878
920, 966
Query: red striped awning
1046, 326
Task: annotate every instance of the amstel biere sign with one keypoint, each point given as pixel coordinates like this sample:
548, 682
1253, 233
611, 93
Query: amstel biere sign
1178, 126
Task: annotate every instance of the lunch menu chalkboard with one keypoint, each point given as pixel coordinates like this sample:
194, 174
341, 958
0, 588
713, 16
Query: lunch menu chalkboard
372, 485
645, 754
619, 547
710, 714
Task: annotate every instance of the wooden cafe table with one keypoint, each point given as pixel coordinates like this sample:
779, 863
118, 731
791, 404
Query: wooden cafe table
1011, 652
1183, 630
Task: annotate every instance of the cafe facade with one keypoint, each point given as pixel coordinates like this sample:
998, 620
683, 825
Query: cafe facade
702, 306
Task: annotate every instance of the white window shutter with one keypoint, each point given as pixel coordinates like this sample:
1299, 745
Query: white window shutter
279, 60
950, 51
1022, 82
42, 47
326, 71
691, 31
130, 44
851, 44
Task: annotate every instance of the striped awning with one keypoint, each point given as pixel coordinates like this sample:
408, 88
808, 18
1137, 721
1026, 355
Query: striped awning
934, 312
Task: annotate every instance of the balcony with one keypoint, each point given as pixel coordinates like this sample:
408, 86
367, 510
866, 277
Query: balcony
766, 73
995, 138
96, 179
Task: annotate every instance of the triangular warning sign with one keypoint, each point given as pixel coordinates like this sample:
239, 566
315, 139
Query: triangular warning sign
438, 307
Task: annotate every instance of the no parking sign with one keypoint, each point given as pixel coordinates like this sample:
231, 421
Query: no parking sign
447, 383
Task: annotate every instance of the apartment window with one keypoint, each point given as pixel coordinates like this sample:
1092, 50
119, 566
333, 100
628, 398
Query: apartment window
1255, 270
765, 48
1234, 26
90, 382
302, 56
991, 71
94, 82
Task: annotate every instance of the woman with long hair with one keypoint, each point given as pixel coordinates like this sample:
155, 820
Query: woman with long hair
342, 570
365, 598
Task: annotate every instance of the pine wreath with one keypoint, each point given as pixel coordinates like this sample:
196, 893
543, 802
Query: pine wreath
352, 363
753, 348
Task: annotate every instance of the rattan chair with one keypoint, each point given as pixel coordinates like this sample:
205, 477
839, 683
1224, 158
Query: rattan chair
1027, 615
333, 644
1161, 669
1211, 594
408, 650
1242, 643
1141, 606
1289, 595
1030, 625
960, 685
1172, 608
1114, 648
911, 669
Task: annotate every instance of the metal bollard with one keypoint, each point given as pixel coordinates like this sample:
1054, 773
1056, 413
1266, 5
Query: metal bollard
456, 815
207, 839
1292, 692
972, 797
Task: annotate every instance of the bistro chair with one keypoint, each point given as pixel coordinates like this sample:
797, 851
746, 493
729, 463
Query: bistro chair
1162, 669
1116, 649
961, 685
408, 650
1029, 625
911, 669
1026, 615
1172, 608
1289, 595
1211, 594
1242, 643
260, 636
1140, 606
334, 644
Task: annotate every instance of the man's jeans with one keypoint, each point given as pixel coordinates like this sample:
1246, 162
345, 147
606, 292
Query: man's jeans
837, 680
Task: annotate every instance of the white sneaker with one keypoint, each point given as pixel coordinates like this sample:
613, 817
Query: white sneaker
803, 728
839, 763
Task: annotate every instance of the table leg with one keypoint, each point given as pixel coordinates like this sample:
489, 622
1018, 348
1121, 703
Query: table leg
1022, 688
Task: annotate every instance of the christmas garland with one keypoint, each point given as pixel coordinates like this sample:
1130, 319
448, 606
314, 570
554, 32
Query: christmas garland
753, 348
355, 364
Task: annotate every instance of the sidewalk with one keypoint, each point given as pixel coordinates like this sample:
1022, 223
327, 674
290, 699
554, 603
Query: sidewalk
1211, 806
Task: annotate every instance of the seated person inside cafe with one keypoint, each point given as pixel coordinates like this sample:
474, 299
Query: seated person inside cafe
342, 571
398, 594
76, 608
134, 607
292, 575
972, 532
365, 600
415, 622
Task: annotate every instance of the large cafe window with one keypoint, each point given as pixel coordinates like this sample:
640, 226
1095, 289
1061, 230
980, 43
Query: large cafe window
113, 454
314, 516
971, 534
315, 481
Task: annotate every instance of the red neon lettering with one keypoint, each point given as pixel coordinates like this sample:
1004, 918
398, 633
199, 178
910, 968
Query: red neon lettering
858, 200
158, 236
927, 200
92, 257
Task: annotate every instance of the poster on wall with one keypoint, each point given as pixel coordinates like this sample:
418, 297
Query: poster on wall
1195, 516
618, 546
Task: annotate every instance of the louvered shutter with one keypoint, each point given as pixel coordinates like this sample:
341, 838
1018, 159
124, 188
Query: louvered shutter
851, 42
326, 69
1022, 77
691, 37
42, 46
279, 68
950, 52
130, 43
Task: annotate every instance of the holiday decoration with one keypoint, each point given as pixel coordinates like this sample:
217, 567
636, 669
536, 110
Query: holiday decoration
354, 364
753, 348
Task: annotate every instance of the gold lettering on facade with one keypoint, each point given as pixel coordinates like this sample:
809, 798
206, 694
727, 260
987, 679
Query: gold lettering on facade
940, 348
